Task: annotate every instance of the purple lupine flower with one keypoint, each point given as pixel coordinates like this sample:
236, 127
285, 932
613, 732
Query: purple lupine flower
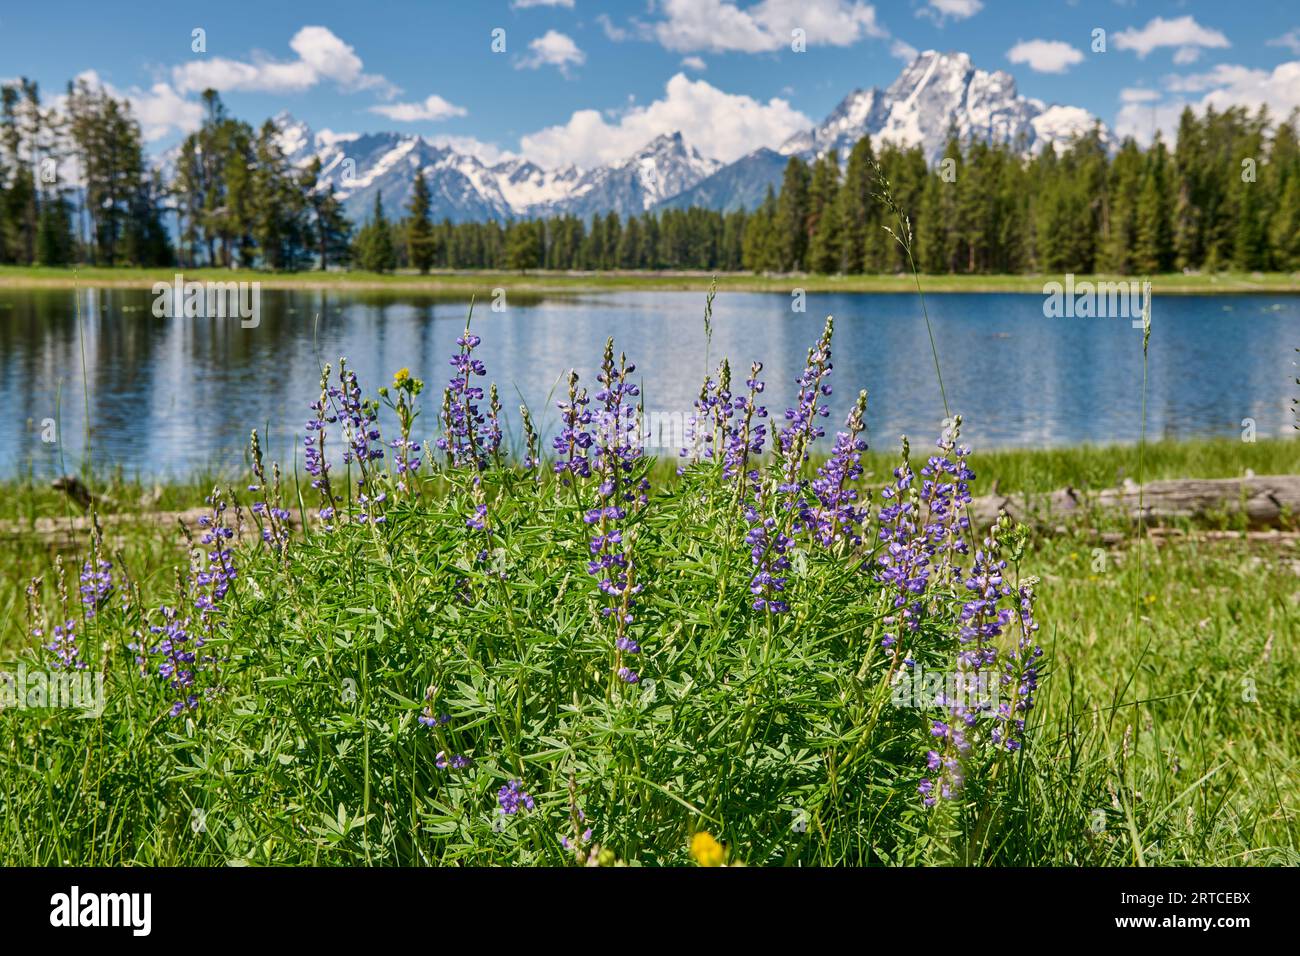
268, 507
63, 644
493, 433
1020, 675
461, 419
96, 583
512, 798
903, 565
572, 445
360, 419
180, 639
945, 493
213, 574
747, 439
776, 515
455, 761
407, 458
179, 652
617, 453
803, 428
532, 455
836, 515
989, 608
709, 430
769, 549
315, 459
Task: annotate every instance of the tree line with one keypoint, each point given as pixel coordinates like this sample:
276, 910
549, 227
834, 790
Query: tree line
1225, 196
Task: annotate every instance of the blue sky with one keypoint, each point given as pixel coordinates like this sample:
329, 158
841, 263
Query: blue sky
588, 81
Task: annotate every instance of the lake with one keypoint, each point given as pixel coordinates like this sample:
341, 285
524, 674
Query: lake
171, 396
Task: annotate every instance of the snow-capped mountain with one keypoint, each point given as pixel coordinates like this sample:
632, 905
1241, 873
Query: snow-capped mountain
936, 93
663, 168
464, 188
738, 185
461, 187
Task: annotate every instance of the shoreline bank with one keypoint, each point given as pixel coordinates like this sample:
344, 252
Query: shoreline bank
482, 283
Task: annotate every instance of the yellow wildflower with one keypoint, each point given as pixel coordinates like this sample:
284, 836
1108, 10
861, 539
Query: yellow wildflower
706, 850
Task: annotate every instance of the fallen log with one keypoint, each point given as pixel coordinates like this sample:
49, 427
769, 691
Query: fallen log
1265, 501
74, 531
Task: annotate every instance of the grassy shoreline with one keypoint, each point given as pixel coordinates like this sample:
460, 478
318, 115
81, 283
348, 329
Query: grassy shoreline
1086, 467
482, 282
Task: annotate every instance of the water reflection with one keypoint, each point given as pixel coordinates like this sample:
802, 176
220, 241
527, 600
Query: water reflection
171, 396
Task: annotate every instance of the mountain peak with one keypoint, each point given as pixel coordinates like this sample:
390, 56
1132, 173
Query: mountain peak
664, 140
933, 94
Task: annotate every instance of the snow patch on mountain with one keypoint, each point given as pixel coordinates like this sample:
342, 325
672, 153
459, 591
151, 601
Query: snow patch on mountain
938, 93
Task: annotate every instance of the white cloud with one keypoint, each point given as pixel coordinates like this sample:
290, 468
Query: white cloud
721, 125
1179, 32
1224, 86
721, 25
1279, 89
1138, 95
553, 49
1186, 55
488, 153
1045, 56
433, 108
322, 57
525, 4
160, 109
1290, 40
941, 10
694, 63
1224, 75
1141, 120
612, 30
903, 50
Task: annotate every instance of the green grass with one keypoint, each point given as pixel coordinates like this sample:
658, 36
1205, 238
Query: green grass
1166, 730
483, 282
1084, 467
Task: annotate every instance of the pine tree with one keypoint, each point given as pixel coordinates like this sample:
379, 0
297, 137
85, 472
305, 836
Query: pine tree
824, 228
1284, 232
419, 230
629, 244
791, 221
759, 251
523, 249
1118, 245
54, 234
1154, 251
330, 230
858, 209
374, 250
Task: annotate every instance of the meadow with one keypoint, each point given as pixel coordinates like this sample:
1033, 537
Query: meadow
586, 656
